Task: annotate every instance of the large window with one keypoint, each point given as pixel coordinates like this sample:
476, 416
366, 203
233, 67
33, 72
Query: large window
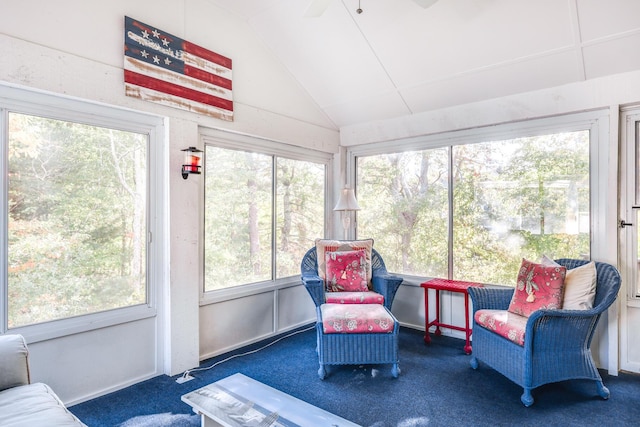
472, 211
262, 213
75, 199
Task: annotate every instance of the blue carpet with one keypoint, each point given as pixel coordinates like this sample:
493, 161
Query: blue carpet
436, 387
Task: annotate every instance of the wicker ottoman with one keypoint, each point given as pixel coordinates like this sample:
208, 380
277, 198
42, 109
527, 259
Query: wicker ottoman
356, 334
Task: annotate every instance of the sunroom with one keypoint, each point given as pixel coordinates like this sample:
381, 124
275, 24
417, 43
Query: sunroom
474, 134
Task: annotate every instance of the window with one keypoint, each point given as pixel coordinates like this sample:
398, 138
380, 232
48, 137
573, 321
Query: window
76, 214
76, 219
635, 136
519, 198
404, 204
263, 211
472, 210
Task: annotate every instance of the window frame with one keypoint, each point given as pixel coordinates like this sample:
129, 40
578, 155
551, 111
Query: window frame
596, 122
52, 106
629, 202
237, 141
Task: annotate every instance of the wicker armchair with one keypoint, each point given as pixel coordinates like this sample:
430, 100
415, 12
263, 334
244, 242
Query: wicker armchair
556, 342
343, 347
382, 282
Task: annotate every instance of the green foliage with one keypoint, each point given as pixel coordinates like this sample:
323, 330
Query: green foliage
512, 199
402, 196
239, 239
77, 201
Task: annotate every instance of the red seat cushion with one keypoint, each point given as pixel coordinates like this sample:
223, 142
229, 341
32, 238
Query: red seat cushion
356, 318
504, 323
368, 297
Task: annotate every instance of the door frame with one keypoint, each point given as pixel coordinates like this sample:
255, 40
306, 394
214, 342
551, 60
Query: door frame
630, 213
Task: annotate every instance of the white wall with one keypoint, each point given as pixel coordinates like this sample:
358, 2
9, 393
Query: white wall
605, 92
236, 322
96, 362
75, 48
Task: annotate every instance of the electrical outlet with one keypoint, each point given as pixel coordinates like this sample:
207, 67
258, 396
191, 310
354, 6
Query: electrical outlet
184, 379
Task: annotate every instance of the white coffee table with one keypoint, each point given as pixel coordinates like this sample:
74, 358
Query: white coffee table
239, 401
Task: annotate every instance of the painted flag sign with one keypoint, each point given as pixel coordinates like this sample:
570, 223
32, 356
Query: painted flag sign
163, 68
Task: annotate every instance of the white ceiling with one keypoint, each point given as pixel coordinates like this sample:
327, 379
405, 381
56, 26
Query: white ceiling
397, 58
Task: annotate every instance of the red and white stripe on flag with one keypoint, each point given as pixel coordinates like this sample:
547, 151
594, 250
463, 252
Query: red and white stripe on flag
165, 69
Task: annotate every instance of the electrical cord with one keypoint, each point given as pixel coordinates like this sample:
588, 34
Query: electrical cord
187, 374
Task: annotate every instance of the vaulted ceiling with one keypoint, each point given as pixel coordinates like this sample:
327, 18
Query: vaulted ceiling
397, 58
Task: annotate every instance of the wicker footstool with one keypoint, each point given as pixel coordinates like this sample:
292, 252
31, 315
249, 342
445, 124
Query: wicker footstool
356, 334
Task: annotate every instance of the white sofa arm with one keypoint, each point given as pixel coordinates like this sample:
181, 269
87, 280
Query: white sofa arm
14, 361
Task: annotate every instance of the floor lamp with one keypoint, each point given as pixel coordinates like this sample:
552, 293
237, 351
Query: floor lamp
345, 205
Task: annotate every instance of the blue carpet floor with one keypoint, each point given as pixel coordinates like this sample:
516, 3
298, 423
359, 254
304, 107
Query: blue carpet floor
436, 387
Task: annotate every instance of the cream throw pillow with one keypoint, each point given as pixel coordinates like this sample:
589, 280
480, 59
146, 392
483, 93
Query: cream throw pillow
579, 286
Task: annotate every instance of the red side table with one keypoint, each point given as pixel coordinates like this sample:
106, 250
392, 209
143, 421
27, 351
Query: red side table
451, 286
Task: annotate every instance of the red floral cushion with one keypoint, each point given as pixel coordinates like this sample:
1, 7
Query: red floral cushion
346, 271
323, 246
368, 297
356, 318
539, 286
504, 323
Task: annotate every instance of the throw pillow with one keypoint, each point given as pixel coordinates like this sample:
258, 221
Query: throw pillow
346, 271
324, 245
579, 285
538, 286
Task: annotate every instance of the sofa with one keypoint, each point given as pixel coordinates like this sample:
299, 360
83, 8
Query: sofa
21, 402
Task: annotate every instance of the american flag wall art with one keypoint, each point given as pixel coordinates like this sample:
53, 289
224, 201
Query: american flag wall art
168, 70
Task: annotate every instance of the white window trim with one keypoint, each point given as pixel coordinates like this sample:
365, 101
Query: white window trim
29, 101
231, 140
602, 165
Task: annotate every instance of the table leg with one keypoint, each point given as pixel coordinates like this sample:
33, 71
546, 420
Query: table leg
438, 332
427, 338
467, 331
208, 422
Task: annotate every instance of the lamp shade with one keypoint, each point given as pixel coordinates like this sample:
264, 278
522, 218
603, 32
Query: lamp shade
347, 201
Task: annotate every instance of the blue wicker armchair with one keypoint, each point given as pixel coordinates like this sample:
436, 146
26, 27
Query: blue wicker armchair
382, 282
351, 348
556, 342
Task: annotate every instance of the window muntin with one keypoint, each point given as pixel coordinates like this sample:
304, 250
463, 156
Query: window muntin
262, 213
77, 219
510, 199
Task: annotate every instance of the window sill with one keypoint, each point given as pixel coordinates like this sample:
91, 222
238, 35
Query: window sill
241, 291
74, 325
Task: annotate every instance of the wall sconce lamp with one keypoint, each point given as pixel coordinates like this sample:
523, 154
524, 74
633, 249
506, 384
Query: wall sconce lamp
346, 204
192, 159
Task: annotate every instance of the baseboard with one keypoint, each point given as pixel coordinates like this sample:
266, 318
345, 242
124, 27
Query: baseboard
111, 389
275, 334
445, 331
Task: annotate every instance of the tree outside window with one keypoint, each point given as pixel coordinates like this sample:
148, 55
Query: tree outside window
404, 207
262, 213
505, 200
77, 219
